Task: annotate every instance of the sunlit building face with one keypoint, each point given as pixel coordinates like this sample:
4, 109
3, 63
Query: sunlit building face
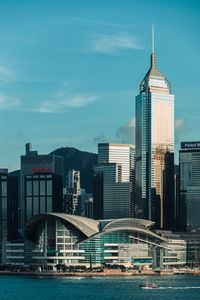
154, 148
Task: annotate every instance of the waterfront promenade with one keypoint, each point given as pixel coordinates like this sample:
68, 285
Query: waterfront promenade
104, 273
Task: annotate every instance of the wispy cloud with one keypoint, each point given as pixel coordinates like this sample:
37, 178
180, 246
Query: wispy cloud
112, 44
100, 23
127, 132
66, 98
57, 106
6, 74
8, 103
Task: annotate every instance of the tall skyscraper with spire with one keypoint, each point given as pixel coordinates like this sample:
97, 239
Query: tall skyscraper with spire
155, 148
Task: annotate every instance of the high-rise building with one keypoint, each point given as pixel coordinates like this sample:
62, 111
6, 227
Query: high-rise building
42, 194
8, 207
73, 182
154, 199
72, 197
34, 164
189, 197
113, 181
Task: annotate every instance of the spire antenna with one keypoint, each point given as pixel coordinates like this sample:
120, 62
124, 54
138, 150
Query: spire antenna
153, 57
152, 38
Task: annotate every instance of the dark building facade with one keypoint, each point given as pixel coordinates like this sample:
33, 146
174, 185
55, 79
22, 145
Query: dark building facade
33, 164
189, 197
42, 194
113, 181
98, 195
8, 206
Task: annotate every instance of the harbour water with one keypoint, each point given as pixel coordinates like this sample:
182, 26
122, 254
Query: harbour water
99, 288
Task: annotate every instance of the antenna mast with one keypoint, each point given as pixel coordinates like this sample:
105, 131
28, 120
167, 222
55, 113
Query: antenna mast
152, 38
153, 57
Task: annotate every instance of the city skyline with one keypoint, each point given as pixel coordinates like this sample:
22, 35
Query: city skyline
69, 72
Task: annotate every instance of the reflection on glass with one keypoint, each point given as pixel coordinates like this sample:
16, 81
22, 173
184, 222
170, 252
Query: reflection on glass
35, 206
28, 188
49, 187
42, 205
35, 188
42, 187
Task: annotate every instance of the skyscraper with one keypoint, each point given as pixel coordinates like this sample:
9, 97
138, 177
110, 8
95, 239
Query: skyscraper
113, 180
33, 164
72, 197
8, 207
155, 148
189, 197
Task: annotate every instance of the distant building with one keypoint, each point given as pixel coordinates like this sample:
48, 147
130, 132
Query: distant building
154, 199
189, 197
176, 253
193, 248
88, 210
42, 194
8, 207
73, 182
113, 181
32, 164
71, 197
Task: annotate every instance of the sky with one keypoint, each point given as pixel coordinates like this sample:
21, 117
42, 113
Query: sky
70, 71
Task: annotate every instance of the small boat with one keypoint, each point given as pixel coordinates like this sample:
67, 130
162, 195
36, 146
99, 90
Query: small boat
149, 285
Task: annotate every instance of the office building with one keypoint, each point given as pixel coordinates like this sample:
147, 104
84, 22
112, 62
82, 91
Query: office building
189, 197
72, 197
73, 182
88, 208
8, 208
113, 181
154, 199
193, 247
176, 252
42, 194
34, 164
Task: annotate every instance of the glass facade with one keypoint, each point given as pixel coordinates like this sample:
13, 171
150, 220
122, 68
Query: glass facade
155, 149
189, 206
33, 163
114, 181
56, 243
8, 210
67, 239
3, 208
43, 194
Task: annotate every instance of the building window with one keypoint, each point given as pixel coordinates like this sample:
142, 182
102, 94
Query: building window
42, 187
49, 204
29, 188
49, 187
42, 205
28, 207
4, 188
35, 206
35, 188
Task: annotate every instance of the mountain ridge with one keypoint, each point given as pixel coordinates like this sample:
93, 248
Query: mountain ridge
82, 161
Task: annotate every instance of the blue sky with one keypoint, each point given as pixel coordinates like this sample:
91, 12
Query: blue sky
70, 70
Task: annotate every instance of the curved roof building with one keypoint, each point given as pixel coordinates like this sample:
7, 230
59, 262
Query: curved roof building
69, 239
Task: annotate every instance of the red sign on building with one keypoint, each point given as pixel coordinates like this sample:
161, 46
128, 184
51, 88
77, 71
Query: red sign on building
41, 170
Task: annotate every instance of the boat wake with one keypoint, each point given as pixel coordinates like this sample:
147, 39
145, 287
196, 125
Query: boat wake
178, 287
